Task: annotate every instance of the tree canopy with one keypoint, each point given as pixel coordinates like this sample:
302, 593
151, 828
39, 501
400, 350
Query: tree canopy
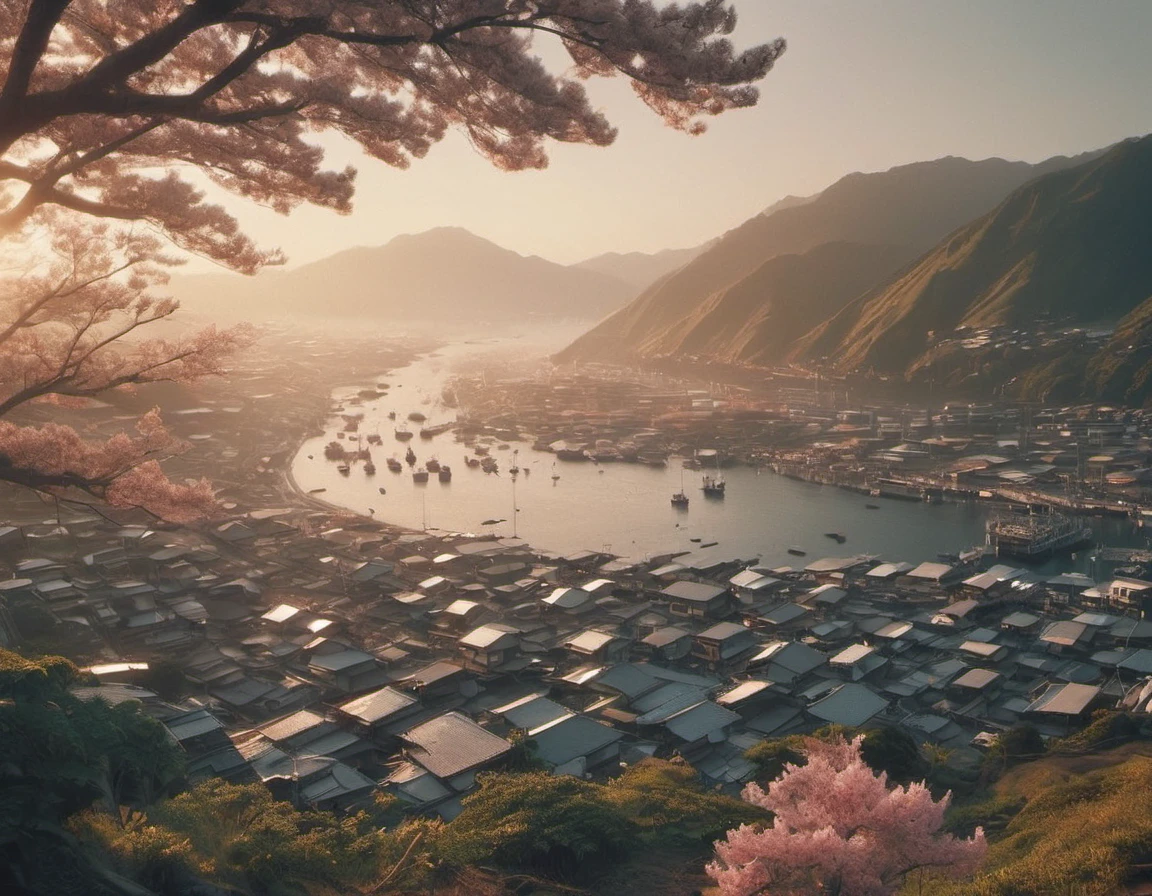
119, 112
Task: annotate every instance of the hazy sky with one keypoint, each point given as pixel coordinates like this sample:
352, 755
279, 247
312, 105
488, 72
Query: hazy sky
864, 85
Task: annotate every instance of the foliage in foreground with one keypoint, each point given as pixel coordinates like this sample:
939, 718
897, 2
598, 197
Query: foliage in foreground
1080, 836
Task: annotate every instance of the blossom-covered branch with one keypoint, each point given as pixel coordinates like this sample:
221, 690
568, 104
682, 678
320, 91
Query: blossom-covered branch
99, 97
839, 829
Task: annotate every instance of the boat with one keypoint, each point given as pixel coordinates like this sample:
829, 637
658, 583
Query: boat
1036, 536
481, 450
433, 465
429, 432
555, 475
697, 540
316, 491
381, 490
334, 451
709, 544
391, 415
445, 473
417, 417
370, 468
871, 506
472, 461
403, 433
374, 439
679, 499
344, 469
419, 475
797, 552
836, 537
713, 487
515, 468
410, 457
489, 465
394, 465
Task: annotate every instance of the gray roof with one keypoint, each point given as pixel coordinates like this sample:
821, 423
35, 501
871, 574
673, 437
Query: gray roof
378, 705
571, 737
697, 592
700, 721
491, 635
662, 637
452, 743
292, 725
1065, 699
976, 678
533, 711
628, 680
850, 704
722, 631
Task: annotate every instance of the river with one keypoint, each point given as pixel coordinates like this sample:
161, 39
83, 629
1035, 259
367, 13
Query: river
621, 508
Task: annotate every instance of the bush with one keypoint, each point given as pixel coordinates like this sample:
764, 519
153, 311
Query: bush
1107, 729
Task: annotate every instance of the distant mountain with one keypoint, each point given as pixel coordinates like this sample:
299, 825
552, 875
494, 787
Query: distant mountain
911, 206
640, 269
1072, 245
447, 273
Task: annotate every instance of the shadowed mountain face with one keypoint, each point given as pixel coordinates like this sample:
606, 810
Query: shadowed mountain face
1072, 245
446, 273
910, 207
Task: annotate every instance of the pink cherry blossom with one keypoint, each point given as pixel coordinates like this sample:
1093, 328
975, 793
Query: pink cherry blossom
839, 829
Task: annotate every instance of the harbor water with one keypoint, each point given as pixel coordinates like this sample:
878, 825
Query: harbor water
622, 508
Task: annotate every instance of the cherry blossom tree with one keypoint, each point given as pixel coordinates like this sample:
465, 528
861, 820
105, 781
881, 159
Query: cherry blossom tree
839, 830
119, 111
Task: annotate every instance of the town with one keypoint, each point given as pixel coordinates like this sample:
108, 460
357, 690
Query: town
333, 656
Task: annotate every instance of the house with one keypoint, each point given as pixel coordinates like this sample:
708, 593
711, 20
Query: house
600, 646
1066, 706
1131, 594
697, 600
567, 600
857, 661
724, 645
786, 661
668, 643
851, 704
374, 711
490, 646
453, 748
346, 668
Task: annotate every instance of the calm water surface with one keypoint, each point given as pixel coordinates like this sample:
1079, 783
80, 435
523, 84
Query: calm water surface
622, 508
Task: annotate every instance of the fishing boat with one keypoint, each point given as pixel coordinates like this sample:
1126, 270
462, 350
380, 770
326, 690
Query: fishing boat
515, 468
472, 461
679, 499
391, 415
836, 537
369, 468
403, 433
417, 417
381, 490
433, 465
410, 458
430, 432
797, 552
445, 473
394, 465
343, 469
713, 487
555, 475
419, 475
316, 491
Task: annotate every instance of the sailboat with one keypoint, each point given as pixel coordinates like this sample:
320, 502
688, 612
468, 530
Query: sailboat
555, 475
515, 468
680, 499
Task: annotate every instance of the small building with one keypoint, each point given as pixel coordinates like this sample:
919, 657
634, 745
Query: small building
724, 644
697, 600
490, 646
603, 647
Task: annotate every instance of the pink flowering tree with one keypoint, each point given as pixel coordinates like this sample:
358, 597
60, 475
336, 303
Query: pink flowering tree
119, 111
839, 830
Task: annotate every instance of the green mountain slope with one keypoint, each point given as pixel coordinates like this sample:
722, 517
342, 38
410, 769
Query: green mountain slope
1072, 245
911, 205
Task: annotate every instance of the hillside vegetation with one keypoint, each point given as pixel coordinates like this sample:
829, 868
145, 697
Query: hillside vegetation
1072, 245
909, 207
